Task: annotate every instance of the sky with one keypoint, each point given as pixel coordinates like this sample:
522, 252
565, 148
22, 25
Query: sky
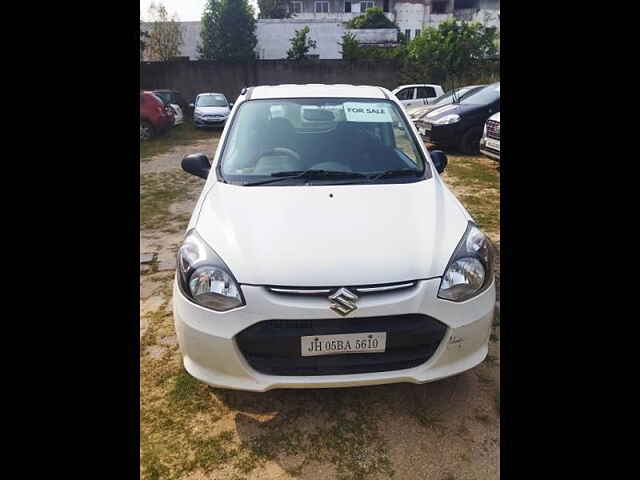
187, 10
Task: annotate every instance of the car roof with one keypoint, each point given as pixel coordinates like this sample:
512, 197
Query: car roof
417, 85
316, 90
210, 93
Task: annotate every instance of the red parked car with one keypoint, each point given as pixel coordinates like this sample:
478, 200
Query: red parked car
155, 117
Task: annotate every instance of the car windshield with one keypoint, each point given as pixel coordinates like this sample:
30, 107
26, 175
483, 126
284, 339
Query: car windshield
333, 140
483, 96
211, 101
446, 98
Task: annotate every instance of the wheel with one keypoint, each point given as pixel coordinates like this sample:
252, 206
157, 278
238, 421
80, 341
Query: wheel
146, 130
470, 143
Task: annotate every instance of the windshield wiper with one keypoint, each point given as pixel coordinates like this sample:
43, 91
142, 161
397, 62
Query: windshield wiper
311, 173
404, 172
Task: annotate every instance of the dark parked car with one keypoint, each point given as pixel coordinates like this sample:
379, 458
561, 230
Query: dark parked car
173, 97
460, 125
155, 116
445, 99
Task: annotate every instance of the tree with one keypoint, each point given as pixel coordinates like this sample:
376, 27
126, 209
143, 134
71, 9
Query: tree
453, 50
300, 45
374, 17
273, 9
228, 31
165, 35
143, 36
350, 47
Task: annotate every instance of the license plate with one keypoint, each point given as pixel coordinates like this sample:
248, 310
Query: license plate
494, 144
370, 342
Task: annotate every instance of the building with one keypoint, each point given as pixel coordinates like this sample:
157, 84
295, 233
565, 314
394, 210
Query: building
326, 19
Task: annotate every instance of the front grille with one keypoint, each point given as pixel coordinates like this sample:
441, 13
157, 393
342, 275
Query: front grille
325, 291
273, 346
493, 129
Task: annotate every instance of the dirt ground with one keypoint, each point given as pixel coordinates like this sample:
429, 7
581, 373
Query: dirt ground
445, 430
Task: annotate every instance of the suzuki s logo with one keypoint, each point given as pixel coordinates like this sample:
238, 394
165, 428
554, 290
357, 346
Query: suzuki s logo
343, 302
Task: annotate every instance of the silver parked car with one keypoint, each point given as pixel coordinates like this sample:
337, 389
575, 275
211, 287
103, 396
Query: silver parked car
490, 141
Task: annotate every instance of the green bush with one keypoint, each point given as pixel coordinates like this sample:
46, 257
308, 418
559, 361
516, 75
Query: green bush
373, 18
300, 45
454, 52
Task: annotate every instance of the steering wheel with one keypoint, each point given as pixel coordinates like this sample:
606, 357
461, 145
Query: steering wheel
278, 152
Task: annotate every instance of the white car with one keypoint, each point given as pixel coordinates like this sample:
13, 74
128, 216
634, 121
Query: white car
211, 110
418, 94
326, 251
178, 117
490, 141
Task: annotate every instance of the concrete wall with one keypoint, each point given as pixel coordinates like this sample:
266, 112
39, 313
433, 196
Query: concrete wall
274, 37
191, 78
375, 36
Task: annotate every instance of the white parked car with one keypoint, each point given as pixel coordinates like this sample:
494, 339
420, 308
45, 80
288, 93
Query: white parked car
419, 94
211, 110
326, 251
490, 142
178, 117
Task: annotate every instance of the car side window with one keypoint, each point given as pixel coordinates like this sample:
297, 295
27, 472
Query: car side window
426, 92
403, 141
405, 94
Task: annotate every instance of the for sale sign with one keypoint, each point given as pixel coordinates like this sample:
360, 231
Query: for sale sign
367, 112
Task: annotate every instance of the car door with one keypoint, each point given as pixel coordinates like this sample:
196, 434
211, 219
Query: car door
406, 96
424, 94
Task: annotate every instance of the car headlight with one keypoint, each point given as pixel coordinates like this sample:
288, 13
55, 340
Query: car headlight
204, 278
470, 270
447, 119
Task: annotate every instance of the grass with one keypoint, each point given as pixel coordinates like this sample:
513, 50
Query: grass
476, 183
183, 134
158, 190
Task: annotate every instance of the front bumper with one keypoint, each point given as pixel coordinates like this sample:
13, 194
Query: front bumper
211, 354
445, 135
208, 122
489, 152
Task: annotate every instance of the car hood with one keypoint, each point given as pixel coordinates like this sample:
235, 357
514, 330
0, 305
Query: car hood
361, 235
212, 110
418, 113
457, 108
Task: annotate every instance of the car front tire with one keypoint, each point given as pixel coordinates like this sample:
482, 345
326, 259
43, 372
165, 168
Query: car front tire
470, 143
146, 130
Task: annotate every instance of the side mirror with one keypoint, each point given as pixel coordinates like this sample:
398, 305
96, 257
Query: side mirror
439, 160
197, 164
231, 105
191, 105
